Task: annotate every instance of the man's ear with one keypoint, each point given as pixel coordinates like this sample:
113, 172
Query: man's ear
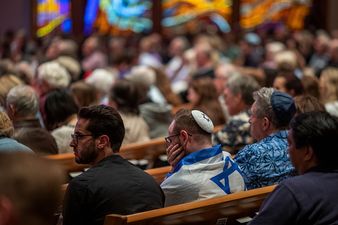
184, 136
309, 154
266, 123
102, 142
6, 211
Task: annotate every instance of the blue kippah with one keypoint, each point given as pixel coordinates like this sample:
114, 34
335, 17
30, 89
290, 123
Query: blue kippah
283, 107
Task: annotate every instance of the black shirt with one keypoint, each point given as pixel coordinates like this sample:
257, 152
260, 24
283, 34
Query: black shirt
112, 186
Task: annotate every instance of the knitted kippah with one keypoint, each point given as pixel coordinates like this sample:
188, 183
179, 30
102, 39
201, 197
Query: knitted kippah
203, 121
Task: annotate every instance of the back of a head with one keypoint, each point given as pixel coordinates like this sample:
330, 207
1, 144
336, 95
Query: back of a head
206, 90
53, 74
318, 130
32, 186
311, 85
104, 120
329, 84
195, 122
6, 126
59, 106
84, 94
6, 83
277, 106
142, 75
286, 60
125, 94
24, 99
72, 66
102, 79
243, 85
307, 103
293, 84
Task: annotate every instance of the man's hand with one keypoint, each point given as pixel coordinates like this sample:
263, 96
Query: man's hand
175, 153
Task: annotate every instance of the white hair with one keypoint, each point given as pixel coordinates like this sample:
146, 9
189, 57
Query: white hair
142, 75
102, 79
54, 74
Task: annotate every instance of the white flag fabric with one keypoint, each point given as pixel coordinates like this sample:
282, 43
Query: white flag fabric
203, 174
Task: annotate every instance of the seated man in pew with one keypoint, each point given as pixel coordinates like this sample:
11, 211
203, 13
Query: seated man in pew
112, 184
200, 170
311, 197
266, 162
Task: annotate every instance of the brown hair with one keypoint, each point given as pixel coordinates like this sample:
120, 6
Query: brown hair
307, 103
208, 100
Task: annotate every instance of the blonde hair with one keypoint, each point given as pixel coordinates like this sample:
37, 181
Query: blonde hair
7, 82
329, 85
6, 125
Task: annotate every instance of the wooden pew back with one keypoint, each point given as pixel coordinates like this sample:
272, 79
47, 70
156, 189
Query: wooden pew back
149, 150
221, 210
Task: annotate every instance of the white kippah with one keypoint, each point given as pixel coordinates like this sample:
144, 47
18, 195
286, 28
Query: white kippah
203, 120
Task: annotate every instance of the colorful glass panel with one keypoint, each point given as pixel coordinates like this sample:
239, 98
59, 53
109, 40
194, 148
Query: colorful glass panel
188, 13
118, 16
51, 15
290, 12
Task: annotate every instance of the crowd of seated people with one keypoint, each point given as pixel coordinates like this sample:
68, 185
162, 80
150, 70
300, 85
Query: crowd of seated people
252, 87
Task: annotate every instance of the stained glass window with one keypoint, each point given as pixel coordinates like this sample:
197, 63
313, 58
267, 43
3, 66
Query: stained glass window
189, 14
51, 15
118, 16
290, 12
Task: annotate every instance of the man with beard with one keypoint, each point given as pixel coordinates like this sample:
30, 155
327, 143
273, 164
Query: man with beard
112, 184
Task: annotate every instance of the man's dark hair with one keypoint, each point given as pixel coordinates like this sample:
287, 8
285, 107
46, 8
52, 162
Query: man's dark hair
59, 105
319, 130
104, 120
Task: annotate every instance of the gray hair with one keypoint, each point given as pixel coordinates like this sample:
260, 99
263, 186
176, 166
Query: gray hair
264, 108
54, 74
24, 99
244, 85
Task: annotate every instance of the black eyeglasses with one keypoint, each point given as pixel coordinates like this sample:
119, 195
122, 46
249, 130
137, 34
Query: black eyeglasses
78, 136
168, 139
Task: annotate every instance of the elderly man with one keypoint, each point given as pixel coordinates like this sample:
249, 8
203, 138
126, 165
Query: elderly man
311, 197
200, 171
266, 162
22, 106
112, 184
238, 99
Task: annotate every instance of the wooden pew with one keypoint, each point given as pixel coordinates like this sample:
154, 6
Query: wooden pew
221, 210
149, 150
159, 173
67, 161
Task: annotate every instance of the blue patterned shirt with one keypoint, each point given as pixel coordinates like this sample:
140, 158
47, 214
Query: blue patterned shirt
265, 162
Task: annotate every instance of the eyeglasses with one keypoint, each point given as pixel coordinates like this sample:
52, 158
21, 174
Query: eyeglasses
168, 139
78, 136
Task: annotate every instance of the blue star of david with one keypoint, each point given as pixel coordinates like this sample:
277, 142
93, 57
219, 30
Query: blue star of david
224, 175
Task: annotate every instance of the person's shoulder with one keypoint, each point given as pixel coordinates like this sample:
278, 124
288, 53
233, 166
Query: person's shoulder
9, 144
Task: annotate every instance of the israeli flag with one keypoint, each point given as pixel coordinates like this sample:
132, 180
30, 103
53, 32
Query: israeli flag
203, 174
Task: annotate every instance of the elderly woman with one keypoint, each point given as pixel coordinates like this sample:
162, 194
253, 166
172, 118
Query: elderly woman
238, 98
